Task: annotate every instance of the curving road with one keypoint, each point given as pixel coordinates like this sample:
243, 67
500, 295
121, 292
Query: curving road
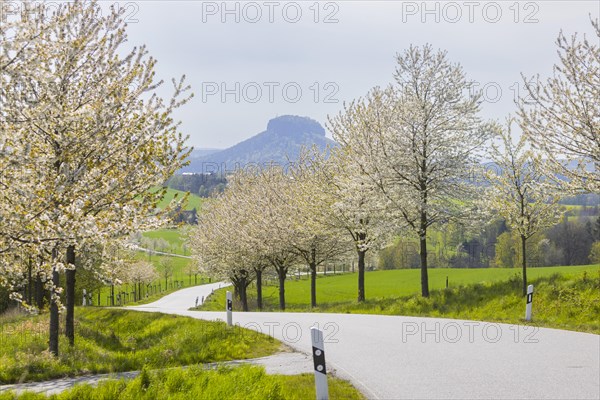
392, 357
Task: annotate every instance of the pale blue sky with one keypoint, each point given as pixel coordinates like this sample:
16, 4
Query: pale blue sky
340, 60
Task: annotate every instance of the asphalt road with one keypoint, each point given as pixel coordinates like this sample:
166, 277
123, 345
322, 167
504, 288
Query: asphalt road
392, 357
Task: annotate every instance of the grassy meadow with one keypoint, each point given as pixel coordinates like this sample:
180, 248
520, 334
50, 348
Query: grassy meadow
193, 201
565, 297
112, 340
174, 237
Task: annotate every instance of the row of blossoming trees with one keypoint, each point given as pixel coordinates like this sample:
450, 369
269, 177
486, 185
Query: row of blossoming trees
410, 159
83, 139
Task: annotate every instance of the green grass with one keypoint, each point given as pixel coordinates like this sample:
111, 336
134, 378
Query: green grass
193, 201
476, 294
180, 270
172, 236
175, 237
244, 382
180, 265
394, 283
111, 340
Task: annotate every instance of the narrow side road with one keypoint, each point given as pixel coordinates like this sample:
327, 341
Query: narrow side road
183, 299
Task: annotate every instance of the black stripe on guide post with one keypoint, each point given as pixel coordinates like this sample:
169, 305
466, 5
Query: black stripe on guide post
229, 305
529, 297
319, 360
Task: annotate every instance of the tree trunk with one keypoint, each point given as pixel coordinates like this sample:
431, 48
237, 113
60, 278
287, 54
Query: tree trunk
259, 301
54, 316
244, 295
313, 284
313, 277
281, 274
112, 295
524, 263
423, 189
361, 275
424, 276
70, 297
39, 292
30, 283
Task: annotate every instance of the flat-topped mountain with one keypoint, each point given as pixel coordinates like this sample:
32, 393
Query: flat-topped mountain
282, 140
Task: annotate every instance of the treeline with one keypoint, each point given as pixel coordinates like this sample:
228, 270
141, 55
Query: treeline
586, 200
203, 185
210, 184
570, 242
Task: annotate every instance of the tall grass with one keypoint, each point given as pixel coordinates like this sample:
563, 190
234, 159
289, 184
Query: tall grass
244, 383
111, 340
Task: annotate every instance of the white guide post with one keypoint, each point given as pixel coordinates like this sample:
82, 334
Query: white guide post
529, 301
318, 350
229, 308
84, 298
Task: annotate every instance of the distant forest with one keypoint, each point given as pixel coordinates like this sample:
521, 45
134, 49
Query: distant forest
207, 185
570, 242
586, 200
203, 185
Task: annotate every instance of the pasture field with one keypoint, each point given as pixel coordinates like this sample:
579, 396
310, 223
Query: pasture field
175, 237
193, 201
404, 282
565, 297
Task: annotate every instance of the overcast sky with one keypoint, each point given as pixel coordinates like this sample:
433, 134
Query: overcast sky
251, 61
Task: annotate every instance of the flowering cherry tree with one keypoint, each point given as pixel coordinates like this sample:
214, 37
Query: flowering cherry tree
309, 199
520, 191
90, 136
355, 208
418, 142
561, 116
